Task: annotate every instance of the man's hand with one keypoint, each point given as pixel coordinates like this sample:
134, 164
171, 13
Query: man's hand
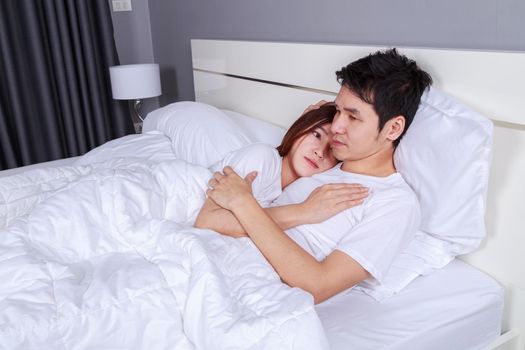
229, 190
314, 106
327, 200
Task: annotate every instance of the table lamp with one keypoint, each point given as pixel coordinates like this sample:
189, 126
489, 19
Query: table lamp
135, 82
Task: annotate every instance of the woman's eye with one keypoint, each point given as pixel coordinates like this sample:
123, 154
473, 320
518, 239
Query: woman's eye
316, 134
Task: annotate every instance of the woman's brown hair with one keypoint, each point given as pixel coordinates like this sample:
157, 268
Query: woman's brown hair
305, 124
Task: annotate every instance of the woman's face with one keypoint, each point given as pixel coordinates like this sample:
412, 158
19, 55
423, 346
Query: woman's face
311, 153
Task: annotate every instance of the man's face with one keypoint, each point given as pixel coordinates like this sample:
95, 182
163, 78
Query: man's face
356, 129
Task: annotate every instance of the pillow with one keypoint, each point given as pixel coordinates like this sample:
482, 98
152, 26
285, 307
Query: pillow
258, 130
199, 133
445, 158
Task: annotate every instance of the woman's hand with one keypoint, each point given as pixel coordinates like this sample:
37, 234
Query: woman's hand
327, 200
229, 190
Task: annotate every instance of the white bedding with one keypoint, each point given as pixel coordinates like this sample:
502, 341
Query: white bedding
96, 264
455, 308
50, 164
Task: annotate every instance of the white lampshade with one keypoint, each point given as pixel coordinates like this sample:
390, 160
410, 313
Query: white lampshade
135, 81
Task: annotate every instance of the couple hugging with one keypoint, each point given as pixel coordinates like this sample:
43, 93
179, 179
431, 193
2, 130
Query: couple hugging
345, 222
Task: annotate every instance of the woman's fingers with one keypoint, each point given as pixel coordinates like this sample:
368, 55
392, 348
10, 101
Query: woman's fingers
345, 194
218, 176
338, 190
228, 170
336, 186
349, 204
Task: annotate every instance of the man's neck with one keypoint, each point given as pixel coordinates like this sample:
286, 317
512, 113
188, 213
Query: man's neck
378, 165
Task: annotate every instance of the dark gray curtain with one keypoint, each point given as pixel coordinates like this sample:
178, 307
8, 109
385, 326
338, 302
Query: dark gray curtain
55, 92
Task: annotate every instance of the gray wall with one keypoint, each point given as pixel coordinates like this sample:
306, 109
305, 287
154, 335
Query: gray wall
467, 24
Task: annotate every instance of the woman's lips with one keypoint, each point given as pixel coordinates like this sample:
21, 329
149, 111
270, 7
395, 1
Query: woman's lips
312, 163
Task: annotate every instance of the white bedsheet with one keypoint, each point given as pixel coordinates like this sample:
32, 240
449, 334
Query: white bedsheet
97, 265
455, 308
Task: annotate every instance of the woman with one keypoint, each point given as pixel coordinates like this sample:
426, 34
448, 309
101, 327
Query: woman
304, 151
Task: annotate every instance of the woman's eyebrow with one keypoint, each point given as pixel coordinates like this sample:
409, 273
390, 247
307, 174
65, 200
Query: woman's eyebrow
324, 130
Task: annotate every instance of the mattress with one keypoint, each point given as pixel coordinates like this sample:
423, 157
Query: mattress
457, 307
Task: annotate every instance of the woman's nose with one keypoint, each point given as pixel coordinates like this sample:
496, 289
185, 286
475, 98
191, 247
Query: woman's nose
319, 153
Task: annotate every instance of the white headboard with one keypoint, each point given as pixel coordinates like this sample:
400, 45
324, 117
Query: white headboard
276, 81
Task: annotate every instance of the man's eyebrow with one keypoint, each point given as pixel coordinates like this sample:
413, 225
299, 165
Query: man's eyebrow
353, 111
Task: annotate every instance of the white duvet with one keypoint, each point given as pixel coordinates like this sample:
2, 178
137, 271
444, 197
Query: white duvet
102, 256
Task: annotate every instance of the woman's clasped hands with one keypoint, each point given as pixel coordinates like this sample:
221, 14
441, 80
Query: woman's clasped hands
231, 191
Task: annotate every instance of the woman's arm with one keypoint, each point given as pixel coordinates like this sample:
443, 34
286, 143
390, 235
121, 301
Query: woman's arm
215, 217
323, 203
295, 266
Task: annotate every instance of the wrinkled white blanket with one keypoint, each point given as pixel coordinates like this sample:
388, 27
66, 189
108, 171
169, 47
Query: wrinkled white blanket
107, 260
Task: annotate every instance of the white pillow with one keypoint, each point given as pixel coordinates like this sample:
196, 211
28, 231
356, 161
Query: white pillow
258, 130
199, 133
445, 158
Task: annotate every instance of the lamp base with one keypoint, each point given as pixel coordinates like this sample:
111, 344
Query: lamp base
138, 127
136, 117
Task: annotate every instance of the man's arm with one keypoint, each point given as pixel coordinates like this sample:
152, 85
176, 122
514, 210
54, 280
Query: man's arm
295, 266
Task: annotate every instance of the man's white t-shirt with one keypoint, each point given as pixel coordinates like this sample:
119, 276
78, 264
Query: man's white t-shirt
373, 233
258, 157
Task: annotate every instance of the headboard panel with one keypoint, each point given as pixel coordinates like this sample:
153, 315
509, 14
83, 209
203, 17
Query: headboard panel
276, 81
278, 104
490, 81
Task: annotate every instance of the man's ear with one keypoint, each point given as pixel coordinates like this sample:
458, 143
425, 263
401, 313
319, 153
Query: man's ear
394, 127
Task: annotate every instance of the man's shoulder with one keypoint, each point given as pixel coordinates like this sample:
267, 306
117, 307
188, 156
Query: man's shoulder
393, 182
394, 192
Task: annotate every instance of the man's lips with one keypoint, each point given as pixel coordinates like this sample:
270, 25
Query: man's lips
312, 163
336, 143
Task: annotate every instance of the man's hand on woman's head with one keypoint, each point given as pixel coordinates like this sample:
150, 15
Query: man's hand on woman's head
329, 199
229, 190
314, 106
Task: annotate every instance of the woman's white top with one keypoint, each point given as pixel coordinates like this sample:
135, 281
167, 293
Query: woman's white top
258, 157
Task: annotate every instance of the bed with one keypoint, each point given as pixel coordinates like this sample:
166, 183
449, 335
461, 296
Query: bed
478, 313
272, 81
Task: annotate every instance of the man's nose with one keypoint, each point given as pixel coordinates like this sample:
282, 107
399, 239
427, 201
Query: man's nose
337, 126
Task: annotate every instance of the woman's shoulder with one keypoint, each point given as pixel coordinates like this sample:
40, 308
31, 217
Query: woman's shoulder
256, 156
259, 151
261, 147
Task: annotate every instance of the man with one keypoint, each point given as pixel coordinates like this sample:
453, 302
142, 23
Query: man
376, 103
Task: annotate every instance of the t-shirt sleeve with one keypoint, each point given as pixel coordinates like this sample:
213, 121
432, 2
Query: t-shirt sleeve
390, 220
261, 158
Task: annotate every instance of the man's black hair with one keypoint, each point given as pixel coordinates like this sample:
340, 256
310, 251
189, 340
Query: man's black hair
390, 82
